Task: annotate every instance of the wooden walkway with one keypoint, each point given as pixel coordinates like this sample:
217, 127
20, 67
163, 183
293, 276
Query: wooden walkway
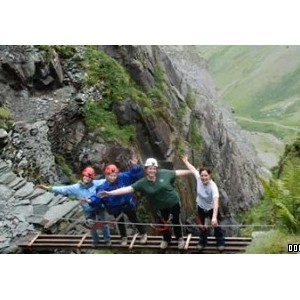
50, 242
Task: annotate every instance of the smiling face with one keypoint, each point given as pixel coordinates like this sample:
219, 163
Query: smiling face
86, 179
111, 178
151, 172
205, 176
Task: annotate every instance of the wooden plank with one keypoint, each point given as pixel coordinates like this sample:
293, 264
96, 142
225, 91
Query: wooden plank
34, 239
59, 240
61, 236
186, 246
133, 240
58, 245
82, 240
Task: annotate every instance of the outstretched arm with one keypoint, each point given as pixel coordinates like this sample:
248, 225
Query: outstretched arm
185, 159
117, 192
43, 186
93, 201
182, 172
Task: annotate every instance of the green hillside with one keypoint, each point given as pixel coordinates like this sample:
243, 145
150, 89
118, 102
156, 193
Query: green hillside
261, 84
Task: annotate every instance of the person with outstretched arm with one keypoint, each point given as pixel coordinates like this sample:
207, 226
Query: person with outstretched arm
207, 205
123, 204
158, 187
85, 189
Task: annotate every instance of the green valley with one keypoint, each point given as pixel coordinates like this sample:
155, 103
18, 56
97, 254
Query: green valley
261, 84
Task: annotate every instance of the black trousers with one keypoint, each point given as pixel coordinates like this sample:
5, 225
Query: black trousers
218, 232
132, 217
165, 214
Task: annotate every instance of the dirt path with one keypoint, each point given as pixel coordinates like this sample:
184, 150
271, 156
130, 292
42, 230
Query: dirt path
270, 123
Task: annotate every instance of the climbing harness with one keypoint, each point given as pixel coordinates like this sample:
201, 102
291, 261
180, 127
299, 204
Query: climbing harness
165, 226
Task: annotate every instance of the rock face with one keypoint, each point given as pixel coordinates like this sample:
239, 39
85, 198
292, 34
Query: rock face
47, 97
25, 209
224, 148
224, 145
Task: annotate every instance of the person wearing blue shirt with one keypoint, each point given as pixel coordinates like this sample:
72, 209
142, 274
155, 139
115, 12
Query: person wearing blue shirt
85, 189
117, 205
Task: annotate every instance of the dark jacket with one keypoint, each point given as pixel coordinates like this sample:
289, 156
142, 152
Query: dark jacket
117, 204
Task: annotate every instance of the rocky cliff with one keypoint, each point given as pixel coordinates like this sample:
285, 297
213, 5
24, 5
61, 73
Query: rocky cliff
164, 96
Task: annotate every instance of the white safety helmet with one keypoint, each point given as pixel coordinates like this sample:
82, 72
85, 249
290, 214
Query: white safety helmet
151, 162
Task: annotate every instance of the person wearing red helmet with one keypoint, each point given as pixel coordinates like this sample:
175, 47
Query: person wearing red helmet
89, 172
117, 205
111, 169
85, 189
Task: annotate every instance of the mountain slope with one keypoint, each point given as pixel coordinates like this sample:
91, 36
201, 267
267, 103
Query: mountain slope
260, 83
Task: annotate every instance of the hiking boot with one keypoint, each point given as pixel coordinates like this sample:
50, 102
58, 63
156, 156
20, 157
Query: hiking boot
164, 244
124, 241
180, 243
108, 243
95, 244
200, 246
221, 247
143, 239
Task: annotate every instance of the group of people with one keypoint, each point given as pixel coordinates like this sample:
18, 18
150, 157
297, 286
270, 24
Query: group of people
115, 194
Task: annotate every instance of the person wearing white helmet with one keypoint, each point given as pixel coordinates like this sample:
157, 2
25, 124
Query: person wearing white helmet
158, 187
151, 162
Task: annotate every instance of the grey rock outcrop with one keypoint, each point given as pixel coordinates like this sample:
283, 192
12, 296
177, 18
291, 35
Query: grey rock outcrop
25, 209
30, 151
224, 144
224, 148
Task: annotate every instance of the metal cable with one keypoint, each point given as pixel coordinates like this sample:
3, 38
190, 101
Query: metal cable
156, 224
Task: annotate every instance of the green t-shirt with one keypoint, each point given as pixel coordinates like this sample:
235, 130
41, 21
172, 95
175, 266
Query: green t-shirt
160, 193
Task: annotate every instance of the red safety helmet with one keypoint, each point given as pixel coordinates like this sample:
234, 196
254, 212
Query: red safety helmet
110, 169
89, 172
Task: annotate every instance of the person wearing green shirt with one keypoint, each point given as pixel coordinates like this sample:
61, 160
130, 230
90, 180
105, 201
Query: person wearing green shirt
158, 187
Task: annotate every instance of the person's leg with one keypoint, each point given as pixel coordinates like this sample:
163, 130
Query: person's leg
175, 211
203, 230
132, 216
105, 228
219, 235
167, 234
91, 215
121, 227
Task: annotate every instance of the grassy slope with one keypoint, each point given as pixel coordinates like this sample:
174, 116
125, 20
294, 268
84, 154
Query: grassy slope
260, 83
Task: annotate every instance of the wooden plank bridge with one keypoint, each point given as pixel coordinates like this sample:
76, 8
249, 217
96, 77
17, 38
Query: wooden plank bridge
50, 242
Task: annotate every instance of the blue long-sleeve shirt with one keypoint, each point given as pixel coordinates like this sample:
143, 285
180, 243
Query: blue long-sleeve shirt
116, 204
79, 190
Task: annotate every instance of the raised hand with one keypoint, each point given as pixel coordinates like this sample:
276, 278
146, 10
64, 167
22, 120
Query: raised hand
134, 160
184, 158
